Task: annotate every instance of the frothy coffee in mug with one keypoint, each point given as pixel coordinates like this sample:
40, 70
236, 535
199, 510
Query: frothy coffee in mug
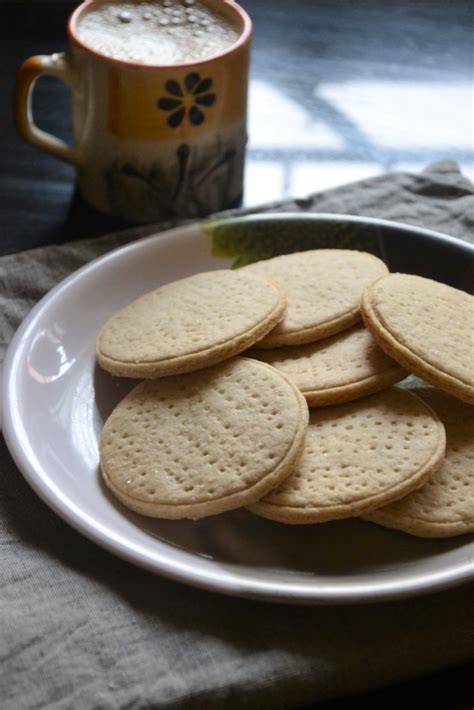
165, 32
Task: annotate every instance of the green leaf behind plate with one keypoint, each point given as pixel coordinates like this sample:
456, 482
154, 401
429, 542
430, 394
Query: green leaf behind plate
256, 237
413, 382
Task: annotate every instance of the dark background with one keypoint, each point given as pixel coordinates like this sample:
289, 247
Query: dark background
404, 68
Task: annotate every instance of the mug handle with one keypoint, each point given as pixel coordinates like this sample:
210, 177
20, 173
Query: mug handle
32, 68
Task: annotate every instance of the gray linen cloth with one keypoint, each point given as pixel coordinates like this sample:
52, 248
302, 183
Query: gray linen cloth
82, 629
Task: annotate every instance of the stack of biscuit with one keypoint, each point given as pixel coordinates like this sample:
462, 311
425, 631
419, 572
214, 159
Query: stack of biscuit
209, 430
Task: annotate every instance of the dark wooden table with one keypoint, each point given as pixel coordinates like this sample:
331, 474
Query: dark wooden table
340, 90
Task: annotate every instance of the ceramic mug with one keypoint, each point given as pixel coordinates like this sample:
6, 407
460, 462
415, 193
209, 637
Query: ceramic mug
149, 141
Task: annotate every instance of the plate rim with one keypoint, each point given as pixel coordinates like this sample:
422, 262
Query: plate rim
223, 581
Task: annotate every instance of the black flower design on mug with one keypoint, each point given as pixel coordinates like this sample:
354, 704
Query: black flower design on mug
189, 98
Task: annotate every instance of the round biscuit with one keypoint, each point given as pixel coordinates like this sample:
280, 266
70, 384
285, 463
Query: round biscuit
190, 324
427, 327
199, 444
323, 288
357, 457
339, 369
444, 505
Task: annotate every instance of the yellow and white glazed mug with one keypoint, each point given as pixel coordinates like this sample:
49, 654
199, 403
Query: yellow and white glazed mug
144, 146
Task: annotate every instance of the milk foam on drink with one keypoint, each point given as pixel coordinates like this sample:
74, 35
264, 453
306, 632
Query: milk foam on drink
164, 32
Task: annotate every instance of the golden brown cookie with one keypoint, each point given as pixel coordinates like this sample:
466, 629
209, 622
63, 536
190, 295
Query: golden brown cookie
195, 445
444, 505
357, 457
189, 324
323, 288
425, 326
334, 370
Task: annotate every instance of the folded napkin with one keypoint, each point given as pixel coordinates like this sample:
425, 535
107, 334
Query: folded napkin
80, 628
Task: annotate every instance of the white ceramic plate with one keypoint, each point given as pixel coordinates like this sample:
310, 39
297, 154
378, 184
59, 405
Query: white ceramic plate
56, 400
